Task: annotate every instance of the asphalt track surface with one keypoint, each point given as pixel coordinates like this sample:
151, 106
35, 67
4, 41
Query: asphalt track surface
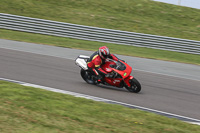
169, 93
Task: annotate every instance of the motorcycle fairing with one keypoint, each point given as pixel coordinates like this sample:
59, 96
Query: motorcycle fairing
125, 73
114, 82
107, 66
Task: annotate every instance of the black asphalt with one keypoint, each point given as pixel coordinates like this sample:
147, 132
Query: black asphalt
165, 93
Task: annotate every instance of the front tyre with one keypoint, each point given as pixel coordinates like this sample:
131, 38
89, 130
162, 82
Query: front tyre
87, 76
135, 86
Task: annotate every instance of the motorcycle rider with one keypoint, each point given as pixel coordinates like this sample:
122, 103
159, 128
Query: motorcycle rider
97, 59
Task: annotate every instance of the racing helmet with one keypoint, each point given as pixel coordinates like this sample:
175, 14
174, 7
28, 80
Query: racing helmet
104, 52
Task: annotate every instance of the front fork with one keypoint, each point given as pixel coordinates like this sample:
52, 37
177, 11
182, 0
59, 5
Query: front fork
127, 80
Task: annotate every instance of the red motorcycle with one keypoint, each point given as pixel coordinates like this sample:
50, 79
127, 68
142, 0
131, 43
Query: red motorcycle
119, 72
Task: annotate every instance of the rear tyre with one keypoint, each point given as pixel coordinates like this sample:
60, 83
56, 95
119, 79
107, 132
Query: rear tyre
87, 76
135, 86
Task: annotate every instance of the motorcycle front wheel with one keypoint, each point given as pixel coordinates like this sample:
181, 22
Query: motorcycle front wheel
87, 76
135, 86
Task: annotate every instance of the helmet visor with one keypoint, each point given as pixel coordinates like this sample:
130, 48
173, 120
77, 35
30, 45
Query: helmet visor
105, 56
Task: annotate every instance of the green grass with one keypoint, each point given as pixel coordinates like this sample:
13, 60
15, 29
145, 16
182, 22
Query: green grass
89, 45
144, 16
26, 109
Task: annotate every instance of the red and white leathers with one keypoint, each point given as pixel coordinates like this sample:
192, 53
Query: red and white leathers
95, 62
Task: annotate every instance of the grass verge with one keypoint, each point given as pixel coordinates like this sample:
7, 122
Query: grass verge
27, 109
89, 45
143, 16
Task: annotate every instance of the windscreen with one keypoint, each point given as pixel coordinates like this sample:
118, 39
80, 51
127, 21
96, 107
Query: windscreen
120, 66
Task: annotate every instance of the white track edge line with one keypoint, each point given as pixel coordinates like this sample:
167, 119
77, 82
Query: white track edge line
166, 74
197, 122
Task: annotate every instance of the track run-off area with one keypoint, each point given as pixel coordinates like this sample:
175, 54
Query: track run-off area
167, 87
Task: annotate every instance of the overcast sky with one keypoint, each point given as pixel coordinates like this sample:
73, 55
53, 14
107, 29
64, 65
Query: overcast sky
189, 3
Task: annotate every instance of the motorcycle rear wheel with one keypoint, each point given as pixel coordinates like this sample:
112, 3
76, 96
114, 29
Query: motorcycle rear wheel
87, 76
135, 86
